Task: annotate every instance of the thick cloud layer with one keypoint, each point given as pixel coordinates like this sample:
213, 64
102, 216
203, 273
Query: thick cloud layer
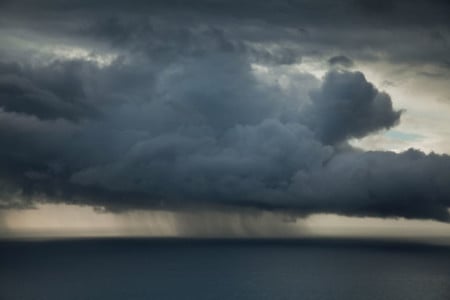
174, 113
49, 93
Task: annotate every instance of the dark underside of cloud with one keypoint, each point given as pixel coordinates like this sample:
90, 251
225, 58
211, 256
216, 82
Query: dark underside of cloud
180, 117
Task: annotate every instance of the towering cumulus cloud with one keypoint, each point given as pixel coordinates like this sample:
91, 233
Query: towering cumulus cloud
180, 107
348, 106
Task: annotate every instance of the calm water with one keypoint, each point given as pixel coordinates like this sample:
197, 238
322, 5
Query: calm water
165, 269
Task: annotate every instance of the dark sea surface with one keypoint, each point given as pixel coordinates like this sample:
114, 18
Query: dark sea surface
222, 269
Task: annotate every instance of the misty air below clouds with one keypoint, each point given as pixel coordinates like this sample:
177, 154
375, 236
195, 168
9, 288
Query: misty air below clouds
205, 106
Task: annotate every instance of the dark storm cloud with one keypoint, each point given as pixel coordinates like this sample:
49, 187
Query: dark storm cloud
411, 184
411, 32
348, 106
210, 134
180, 116
149, 36
395, 12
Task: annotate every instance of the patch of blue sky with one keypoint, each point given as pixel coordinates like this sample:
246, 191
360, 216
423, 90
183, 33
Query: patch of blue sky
404, 136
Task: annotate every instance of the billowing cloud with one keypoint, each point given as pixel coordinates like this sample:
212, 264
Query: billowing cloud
348, 106
175, 110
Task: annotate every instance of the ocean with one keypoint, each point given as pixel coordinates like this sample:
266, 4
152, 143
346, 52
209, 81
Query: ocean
222, 269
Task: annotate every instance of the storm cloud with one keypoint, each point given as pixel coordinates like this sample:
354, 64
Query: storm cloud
178, 107
348, 106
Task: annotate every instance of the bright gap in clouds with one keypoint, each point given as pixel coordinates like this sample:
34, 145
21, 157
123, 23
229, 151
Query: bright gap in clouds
423, 126
51, 49
424, 97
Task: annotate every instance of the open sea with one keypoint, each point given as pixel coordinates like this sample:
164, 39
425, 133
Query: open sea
222, 269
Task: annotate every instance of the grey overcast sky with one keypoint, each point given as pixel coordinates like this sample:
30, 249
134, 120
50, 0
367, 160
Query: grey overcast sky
273, 118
